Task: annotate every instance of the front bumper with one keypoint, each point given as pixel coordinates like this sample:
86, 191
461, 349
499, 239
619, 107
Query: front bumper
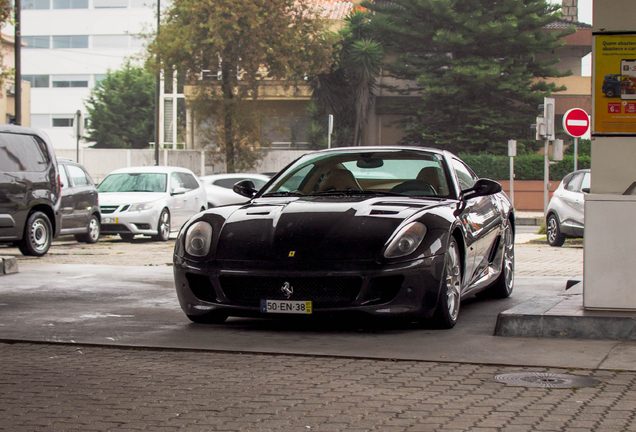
405, 290
126, 222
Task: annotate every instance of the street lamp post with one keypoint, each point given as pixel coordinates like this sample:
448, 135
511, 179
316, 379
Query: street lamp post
157, 90
18, 65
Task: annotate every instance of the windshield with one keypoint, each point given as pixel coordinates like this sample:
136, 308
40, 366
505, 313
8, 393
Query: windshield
134, 182
388, 172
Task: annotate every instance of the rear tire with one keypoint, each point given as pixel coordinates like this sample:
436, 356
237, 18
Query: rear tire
163, 227
38, 235
553, 231
92, 231
447, 309
209, 318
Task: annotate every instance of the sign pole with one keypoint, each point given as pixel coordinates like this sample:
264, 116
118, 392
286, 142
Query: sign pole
546, 178
512, 152
329, 130
576, 153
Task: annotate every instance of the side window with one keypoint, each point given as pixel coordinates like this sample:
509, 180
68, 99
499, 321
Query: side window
175, 181
78, 175
22, 153
585, 184
189, 181
574, 185
465, 176
62, 170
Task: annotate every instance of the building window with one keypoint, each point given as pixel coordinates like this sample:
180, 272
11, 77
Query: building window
63, 121
284, 129
101, 4
69, 81
35, 4
168, 121
99, 77
61, 42
37, 81
70, 4
37, 42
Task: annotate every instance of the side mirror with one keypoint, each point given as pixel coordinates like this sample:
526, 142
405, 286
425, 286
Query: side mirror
178, 191
585, 190
245, 188
482, 187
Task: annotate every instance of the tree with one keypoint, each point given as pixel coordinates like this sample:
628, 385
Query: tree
121, 109
347, 90
226, 48
470, 66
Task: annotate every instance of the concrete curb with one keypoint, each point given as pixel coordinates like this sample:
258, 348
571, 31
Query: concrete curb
564, 317
8, 265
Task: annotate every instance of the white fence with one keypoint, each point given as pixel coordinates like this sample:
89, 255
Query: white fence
100, 162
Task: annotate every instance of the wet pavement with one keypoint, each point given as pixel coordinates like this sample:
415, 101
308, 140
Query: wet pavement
94, 339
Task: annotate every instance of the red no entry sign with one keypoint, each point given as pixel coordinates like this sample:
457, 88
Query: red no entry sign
576, 122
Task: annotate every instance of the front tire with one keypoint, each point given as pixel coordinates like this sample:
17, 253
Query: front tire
447, 309
92, 232
163, 227
555, 238
38, 235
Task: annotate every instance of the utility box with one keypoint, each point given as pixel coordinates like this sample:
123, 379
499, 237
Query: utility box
609, 273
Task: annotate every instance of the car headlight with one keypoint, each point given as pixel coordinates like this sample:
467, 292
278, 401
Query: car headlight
407, 239
198, 239
141, 206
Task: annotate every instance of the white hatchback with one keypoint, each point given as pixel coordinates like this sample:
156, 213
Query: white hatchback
152, 201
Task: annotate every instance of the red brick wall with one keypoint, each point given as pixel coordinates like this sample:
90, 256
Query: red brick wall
528, 193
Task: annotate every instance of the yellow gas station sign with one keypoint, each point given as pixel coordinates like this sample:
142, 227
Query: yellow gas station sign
614, 84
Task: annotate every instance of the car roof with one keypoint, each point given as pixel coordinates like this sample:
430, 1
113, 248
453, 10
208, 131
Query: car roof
232, 176
151, 169
379, 148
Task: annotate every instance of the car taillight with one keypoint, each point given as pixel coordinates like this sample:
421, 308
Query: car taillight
551, 195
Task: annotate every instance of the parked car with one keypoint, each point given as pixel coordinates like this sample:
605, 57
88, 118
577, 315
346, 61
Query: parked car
565, 217
29, 190
612, 85
384, 231
219, 187
80, 204
151, 201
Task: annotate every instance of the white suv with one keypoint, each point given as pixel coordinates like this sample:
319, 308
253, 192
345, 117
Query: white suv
565, 217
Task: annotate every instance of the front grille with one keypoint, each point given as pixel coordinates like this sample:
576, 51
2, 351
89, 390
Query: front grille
322, 291
114, 229
108, 209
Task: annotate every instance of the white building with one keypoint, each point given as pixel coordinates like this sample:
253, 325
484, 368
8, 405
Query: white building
71, 44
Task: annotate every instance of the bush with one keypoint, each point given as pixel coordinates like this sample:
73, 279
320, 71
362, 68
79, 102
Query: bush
527, 167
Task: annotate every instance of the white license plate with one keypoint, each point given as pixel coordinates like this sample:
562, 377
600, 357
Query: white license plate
286, 306
110, 220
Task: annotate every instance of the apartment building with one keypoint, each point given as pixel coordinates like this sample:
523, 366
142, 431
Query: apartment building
70, 45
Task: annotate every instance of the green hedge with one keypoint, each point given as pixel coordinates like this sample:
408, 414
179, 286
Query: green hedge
527, 167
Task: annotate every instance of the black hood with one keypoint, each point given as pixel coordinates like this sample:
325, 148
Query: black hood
314, 228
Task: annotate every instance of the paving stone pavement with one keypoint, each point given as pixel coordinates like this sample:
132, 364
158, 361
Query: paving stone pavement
87, 388
70, 388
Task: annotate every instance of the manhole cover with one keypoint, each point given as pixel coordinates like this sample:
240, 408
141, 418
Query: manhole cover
547, 380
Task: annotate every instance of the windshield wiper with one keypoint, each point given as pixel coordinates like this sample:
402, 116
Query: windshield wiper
282, 194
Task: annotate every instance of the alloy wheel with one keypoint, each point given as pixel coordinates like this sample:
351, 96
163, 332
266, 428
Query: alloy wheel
453, 282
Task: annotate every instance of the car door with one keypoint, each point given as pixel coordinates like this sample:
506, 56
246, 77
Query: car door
191, 197
481, 221
67, 208
571, 213
84, 194
177, 201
